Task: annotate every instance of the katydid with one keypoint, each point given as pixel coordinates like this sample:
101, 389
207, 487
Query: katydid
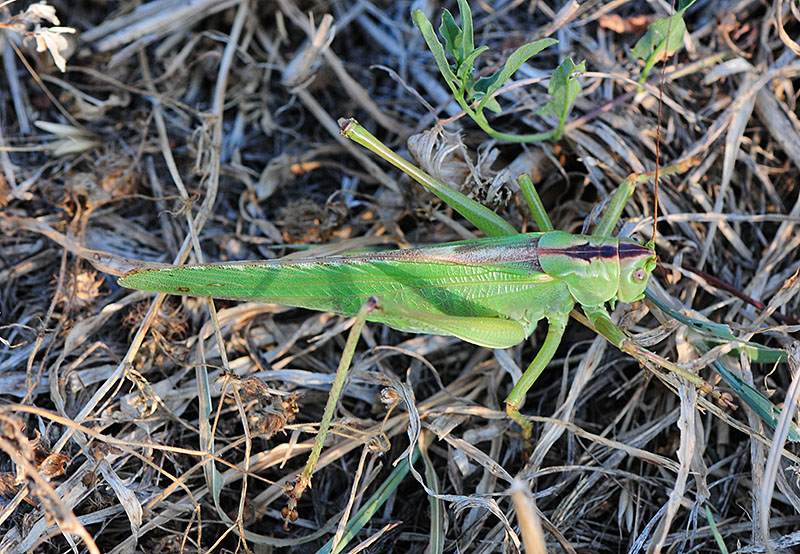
490, 292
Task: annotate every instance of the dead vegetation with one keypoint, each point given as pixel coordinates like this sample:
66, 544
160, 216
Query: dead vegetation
210, 126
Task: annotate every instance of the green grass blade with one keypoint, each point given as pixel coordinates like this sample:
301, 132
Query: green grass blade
719, 333
437, 534
713, 525
707, 335
760, 404
372, 505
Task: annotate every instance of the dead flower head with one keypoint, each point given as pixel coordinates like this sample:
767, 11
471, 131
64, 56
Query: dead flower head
52, 39
48, 39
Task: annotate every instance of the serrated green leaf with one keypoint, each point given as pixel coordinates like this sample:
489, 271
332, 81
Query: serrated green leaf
564, 88
489, 85
436, 49
655, 40
452, 35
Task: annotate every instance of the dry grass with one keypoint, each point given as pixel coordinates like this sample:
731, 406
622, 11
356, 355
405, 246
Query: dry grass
206, 130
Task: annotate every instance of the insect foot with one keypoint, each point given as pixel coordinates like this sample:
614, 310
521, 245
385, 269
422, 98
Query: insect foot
289, 513
512, 409
723, 399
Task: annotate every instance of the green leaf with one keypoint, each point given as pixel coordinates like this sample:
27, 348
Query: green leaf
464, 72
761, 354
452, 35
489, 85
564, 88
436, 49
468, 38
492, 105
708, 334
663, 36
656, 39
708, 328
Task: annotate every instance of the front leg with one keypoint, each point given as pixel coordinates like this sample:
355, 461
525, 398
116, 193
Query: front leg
602, 323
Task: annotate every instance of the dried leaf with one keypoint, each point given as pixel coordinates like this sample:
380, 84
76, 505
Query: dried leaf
635, 25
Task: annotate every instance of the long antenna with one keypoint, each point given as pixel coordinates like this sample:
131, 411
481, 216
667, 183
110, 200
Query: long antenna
658, 121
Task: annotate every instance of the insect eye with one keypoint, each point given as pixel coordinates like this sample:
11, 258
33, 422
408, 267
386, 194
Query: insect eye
639, 275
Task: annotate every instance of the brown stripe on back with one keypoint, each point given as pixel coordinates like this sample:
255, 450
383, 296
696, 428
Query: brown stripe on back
633, 250
586, 252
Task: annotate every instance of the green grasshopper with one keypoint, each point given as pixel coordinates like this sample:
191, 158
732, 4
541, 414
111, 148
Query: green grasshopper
491, 292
